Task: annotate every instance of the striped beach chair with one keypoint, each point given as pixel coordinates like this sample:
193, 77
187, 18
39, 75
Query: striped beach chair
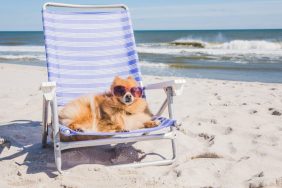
86, 47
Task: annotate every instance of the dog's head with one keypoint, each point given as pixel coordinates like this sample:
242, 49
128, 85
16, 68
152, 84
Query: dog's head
126, 90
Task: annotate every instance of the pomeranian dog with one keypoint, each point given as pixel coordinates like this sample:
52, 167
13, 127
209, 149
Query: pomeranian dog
121, 109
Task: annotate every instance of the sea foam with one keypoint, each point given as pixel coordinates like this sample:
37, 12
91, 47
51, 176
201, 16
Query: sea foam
235, 47
22, 48
23, 57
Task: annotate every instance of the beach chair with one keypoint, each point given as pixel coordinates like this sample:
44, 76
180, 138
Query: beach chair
86, 47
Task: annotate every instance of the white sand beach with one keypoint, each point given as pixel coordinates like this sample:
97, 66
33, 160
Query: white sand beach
231, 136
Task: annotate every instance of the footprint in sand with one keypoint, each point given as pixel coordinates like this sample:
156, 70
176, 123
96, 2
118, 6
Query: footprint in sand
178, 173
255, 138
185, 118
232, 148
256, 181
253, 112
217, 96
243, 158
213, 121
228, 130
208, 138
274, 112
257, 127
207, 155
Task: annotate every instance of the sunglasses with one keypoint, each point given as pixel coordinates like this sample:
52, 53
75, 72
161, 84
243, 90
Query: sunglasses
121, 90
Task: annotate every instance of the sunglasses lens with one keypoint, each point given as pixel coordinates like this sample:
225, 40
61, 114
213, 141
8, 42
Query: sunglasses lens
136, 91
119, 90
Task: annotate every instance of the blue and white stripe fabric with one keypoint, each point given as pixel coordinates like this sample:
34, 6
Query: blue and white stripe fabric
86, 50
165, 123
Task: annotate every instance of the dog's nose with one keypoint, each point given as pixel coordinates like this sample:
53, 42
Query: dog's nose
128, 97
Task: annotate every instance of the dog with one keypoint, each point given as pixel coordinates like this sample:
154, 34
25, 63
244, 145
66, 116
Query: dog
120, 110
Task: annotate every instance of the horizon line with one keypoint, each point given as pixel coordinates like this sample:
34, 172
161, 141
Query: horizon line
163, 29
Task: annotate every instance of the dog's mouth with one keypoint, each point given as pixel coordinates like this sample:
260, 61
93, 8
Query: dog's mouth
127, 99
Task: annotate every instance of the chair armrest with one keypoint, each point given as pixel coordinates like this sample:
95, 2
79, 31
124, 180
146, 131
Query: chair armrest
176, 85
48, 89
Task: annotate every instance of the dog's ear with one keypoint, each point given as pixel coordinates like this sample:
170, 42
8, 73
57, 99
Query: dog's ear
130, 78
116, 78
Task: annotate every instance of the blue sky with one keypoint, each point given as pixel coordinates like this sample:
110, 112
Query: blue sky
161, 14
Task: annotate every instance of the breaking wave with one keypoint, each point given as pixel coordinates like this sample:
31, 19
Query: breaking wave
236, 50
248, 45
22, 53
23, 57
185, 47
21, 48
153, 64
233, 44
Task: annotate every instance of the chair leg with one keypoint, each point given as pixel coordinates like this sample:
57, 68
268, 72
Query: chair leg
173, 149
45, 123
56, 135
169, 93
58, 155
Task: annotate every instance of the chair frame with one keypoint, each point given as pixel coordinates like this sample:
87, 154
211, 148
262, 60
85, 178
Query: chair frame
172, 88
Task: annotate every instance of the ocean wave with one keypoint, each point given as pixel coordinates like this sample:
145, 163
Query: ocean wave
22, 48
11, 43
23, 57
247, 45
235, 47
189, 43
181, 46
232, 45
205, 51
153, 64
236, 50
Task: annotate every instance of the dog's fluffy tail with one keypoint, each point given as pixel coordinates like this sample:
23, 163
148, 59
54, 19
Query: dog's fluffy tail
78, 114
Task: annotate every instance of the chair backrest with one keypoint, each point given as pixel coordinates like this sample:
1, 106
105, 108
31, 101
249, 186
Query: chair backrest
86, 50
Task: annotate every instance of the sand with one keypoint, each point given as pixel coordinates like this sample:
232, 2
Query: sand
230, 136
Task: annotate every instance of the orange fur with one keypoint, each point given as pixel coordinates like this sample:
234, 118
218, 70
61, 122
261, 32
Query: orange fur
106, 112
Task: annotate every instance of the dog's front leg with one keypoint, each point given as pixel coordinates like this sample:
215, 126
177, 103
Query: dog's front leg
150, 124
77, 127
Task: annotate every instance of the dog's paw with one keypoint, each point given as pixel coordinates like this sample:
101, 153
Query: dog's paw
78, 130
157, 122
124, 130
150, 124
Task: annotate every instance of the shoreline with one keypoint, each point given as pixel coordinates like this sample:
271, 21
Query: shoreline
43, 66
210, 54
231, 136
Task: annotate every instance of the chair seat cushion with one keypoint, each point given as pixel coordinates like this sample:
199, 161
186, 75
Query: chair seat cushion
165, 123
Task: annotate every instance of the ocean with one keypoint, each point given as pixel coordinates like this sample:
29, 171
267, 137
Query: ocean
242, 55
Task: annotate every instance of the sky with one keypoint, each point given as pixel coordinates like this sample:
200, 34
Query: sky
25, 15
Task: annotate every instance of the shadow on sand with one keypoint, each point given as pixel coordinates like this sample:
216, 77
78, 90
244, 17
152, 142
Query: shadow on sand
25, 136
